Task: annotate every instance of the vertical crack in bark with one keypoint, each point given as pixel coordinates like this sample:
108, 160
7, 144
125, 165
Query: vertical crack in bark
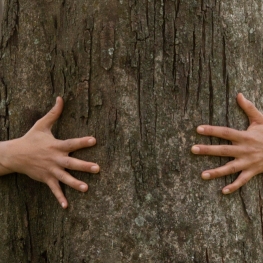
227, 101
10, 29
203, 38
194, 41
224, 59
156, 116
154, 11
175, 57
90, 71
244, 251
4, 112
211, 95
163, 28
163, 50
200, 72
194, 50
225, 79
159, 224
178, 2
187, 87
64, 81
29, 233
139, 96
130, 153
1, 18
51, 73
212, 41
62, 250
261, 212
244, 205
147, 13
206, 256
115, 121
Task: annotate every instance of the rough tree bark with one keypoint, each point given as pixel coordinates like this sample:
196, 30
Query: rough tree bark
139, 76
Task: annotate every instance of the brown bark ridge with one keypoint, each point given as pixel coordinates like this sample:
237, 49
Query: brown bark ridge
139, 76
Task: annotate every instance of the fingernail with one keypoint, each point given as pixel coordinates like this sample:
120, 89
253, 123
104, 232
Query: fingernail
83, 187
63, 205
195, 149
95, 168
226, 191
91, 141
200, 129
206, 176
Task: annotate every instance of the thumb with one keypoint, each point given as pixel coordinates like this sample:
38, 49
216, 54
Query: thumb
254, 115
51, 117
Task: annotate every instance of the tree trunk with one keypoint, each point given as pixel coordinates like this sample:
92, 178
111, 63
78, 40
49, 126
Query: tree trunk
139, 76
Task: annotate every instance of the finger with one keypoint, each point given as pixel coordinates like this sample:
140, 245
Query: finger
78, 165
72, 145
229, 168
51, 117
69, 180
241, 180
218, 150
57, 191
220, 132
254, 115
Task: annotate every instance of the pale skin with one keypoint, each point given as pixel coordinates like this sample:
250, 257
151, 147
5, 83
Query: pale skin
43, 158
246, 148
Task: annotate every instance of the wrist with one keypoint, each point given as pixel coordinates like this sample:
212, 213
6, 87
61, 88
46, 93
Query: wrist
5, 157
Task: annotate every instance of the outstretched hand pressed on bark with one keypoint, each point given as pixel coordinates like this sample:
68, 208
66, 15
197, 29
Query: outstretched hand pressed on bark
43, 158
246, 148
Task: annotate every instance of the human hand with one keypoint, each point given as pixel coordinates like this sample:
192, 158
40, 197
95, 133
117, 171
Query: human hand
246, 148
43, 158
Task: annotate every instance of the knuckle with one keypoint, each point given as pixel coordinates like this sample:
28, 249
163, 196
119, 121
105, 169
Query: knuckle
38, 122
52, 112
67, 163
250, 106
53, 190
61, 177
243, 181
69, 144
224, 150
247, 136
225, 132
48, 181
51, 170
52, 185
233, 169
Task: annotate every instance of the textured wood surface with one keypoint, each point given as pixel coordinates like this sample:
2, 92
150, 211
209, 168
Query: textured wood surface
139, 76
